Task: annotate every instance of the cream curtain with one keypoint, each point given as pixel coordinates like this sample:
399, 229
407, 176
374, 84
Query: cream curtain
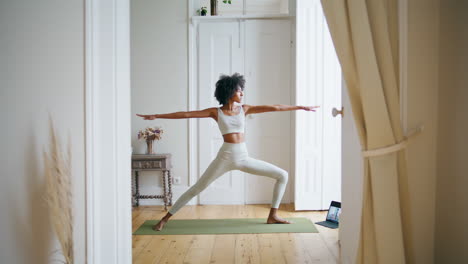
365, 35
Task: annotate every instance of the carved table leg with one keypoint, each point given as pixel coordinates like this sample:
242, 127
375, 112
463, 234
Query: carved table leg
170, 187
133, 190
137, 193
164, 190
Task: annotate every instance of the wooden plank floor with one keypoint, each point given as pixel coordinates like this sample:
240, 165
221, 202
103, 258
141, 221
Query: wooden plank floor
291, 248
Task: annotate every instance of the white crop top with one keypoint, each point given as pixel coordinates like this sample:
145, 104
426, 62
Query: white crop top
231, 124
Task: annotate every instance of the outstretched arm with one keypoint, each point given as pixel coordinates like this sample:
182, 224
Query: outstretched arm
256, 109
209, 112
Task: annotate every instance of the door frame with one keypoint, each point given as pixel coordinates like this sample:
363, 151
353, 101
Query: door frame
107, 131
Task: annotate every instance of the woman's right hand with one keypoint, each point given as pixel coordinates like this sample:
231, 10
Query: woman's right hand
310, 108
147, 117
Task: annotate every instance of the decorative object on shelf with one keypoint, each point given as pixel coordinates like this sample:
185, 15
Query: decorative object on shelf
202, 11
214, 6
150, 134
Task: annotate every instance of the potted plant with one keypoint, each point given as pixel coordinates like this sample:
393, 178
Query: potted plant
203, 11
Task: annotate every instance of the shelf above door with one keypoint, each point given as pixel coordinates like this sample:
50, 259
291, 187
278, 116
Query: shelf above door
198, 19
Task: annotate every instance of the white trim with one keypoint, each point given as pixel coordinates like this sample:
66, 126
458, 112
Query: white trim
91, 167
196, 19
108, 151
293, 141
192, 96
285, 200
243, 36
403, 61
192, 148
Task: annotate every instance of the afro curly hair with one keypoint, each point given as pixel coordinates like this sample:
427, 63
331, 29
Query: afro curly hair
227, 85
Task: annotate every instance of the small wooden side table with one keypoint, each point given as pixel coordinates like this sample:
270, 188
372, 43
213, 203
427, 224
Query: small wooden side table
152, 162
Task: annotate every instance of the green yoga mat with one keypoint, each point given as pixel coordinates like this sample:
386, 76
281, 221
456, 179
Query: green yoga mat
226, 226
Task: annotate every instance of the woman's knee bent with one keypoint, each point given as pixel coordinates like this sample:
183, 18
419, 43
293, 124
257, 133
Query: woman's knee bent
283, 176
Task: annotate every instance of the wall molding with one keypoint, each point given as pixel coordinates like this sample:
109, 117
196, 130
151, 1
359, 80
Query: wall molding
108, 146
193, 146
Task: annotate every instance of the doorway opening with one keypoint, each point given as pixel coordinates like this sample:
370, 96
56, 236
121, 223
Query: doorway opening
318, 136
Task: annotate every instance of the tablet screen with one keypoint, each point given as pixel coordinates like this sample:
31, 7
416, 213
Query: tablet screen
334, 214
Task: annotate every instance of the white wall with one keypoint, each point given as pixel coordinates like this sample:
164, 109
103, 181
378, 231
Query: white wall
451, 232
159, 84
422, 109
42, 72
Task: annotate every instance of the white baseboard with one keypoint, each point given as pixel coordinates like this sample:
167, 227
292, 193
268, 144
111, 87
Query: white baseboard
194, 201
160, 202
284, 201
223, 203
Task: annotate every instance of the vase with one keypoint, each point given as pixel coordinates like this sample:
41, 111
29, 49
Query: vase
149, 147
214, 7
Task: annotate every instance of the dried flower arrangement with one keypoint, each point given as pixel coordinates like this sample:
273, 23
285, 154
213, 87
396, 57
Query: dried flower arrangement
58, 194
150, 134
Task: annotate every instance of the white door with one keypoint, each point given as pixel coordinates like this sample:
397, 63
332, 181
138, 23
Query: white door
318, 135
268, 81
220, 51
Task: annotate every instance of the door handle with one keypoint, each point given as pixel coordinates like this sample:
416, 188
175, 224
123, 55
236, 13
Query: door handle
336, 112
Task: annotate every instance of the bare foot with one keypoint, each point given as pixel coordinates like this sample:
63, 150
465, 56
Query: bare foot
160, 225
277, 220
162, 222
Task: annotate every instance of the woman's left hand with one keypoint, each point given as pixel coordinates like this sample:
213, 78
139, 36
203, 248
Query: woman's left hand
147, 117
310, 108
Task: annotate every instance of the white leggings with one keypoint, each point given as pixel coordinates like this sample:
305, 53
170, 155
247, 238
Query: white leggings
235, 157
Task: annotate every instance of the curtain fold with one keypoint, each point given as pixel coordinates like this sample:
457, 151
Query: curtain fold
365, 36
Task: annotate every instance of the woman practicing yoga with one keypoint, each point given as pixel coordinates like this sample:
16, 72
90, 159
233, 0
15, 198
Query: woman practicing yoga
233, 153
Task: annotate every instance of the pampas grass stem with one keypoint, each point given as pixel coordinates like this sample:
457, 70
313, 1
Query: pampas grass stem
58, 195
